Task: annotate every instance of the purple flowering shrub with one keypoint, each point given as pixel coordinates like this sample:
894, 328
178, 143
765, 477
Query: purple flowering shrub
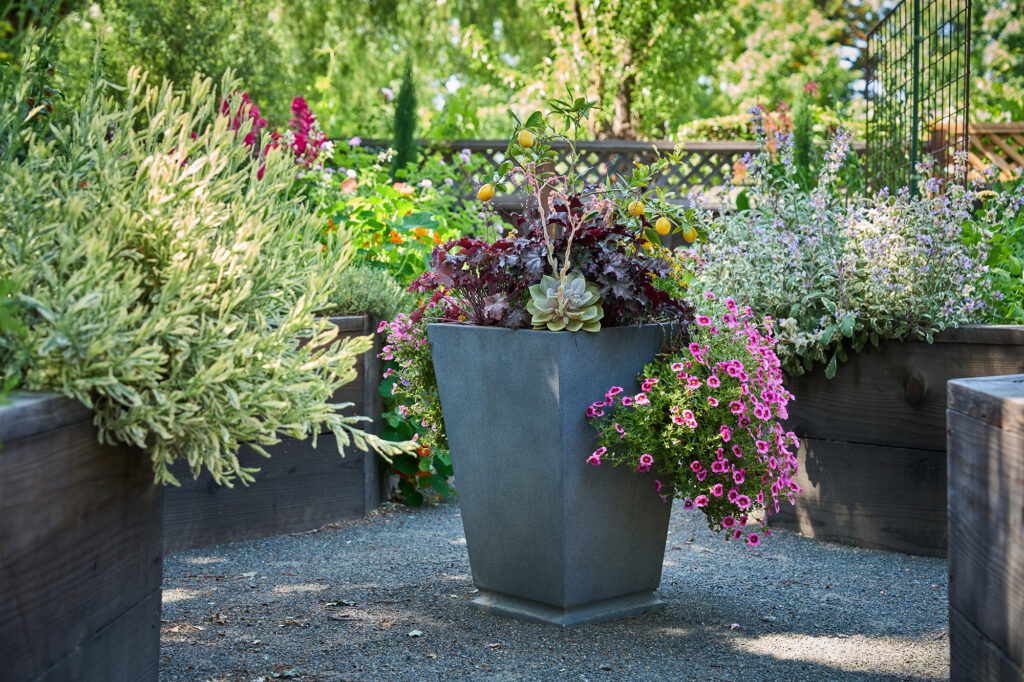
705, 426
841, 270
410, 382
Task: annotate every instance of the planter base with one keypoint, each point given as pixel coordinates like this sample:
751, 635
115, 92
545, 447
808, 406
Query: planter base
594, 612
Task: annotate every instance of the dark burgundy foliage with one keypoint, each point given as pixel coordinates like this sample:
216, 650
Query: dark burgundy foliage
486, 283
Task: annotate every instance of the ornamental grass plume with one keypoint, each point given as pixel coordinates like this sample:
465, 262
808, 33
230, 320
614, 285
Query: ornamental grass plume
166, 286
706, 426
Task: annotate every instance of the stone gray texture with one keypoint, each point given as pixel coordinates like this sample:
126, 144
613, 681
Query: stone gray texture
550, 538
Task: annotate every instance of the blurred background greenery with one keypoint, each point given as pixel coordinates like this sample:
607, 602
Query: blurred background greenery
655, 67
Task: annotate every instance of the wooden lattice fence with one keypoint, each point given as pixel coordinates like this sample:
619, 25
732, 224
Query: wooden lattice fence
1001, 144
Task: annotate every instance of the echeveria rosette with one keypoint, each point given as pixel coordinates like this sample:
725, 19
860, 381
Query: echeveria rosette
571, 306
706, 424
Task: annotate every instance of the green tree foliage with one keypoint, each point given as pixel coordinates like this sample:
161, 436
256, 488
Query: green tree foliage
405, 124
166, 281
997, 60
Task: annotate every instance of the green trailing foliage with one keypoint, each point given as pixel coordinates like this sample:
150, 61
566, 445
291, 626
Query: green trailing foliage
165, 279
405, 124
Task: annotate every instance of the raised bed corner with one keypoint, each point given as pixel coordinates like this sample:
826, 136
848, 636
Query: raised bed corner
298, 488
873, 439
81, 556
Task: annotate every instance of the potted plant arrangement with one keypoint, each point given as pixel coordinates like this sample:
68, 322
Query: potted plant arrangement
577, 315
163, 283
877, 300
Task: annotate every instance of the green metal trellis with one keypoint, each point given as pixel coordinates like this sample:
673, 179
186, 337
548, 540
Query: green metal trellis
917, 84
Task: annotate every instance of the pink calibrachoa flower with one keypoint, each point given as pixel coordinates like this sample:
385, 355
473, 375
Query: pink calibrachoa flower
730, 376
753, 540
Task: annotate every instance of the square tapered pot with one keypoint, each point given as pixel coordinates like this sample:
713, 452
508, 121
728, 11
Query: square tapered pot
550, 538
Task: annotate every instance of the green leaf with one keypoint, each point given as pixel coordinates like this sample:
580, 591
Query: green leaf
830, 369
652, 236
405, 464
439, 484
742, 201
846, 326
412, 497
536, 121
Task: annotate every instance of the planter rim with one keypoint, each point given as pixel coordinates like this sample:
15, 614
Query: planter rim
33, 412
996, 400
563, 332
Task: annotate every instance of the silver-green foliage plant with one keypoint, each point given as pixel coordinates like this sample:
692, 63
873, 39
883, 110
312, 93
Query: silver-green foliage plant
840, 270
571, 305
167, 282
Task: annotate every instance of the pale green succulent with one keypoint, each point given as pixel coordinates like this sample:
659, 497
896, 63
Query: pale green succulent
571, 307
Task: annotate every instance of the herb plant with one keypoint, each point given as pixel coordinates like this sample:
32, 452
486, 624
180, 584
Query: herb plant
164, 284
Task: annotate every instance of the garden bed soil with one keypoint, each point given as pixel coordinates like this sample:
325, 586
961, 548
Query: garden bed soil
298, 488
80, 548
986, 528
873, 438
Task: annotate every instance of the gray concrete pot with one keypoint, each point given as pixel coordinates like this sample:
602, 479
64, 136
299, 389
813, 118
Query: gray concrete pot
550, 538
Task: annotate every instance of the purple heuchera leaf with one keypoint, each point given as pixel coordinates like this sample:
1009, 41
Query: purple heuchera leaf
495, 305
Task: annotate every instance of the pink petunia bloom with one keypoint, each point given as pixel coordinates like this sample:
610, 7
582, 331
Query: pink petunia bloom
657, 485
646, 460
713, 401
700, 501
676, 419
677, 367
713, 381
639, 399
742, 501
737, 534
695, 466
614, 390
725, 432
703, 320
728, 522
594, 459
737, 406
719, 467
717, 490
627, 401
753, 540
739, 475
763, 447
736, 451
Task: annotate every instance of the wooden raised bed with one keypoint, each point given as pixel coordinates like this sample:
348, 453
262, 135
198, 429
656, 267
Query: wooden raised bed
298, 488
80, 548
986, 528
873, 438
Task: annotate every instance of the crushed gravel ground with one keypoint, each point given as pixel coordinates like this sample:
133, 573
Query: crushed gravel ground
387, 598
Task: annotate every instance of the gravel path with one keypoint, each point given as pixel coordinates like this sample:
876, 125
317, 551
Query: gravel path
340, 604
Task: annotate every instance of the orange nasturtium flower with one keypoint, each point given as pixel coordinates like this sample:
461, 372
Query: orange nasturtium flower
349, 185
437, 239
396, 238
404, 188
739, 172
420, 232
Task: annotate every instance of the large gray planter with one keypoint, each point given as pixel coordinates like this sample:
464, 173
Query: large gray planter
550, 538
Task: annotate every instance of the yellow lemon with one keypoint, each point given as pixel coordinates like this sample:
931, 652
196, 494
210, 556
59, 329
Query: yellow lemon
689, 234
486, 192
525, 138
663, 226
636, 207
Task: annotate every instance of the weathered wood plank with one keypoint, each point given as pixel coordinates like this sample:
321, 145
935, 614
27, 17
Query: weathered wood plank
298, 488
974, 658
32, 413
895, 396
994, 334
986, 525
870, 496
998, 401
80, 547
